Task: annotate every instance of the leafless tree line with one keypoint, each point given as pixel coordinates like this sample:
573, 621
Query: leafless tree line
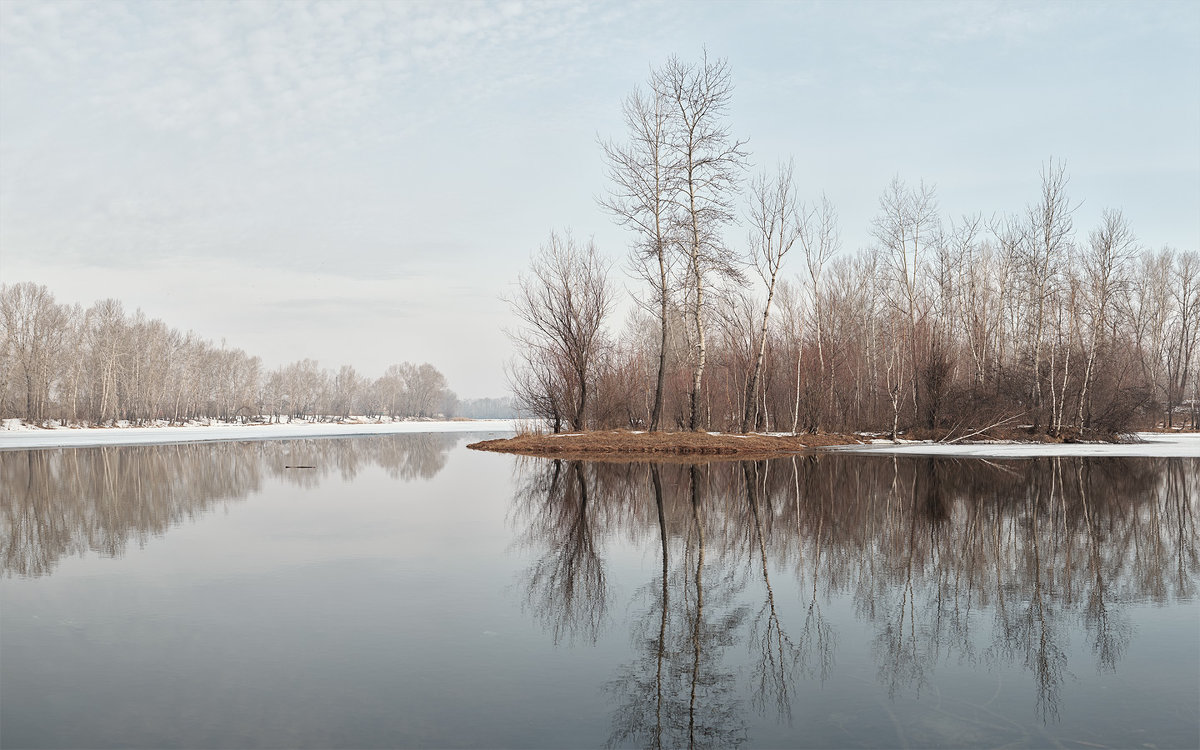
100, 364
946, 325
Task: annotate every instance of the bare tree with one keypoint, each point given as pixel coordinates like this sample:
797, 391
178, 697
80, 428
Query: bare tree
976, 300
819, 239
1146, 312
1105, 267
426, 388
563, 302
1047, 242
1184, 328
644, 180
106, 343
34, 332
906, 226
346, 387
775, 220
710, 162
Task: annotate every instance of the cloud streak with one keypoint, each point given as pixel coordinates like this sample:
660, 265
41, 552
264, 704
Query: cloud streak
369, 156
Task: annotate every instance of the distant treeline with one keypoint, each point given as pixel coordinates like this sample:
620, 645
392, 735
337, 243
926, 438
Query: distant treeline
949, 325
100, 364
487, 408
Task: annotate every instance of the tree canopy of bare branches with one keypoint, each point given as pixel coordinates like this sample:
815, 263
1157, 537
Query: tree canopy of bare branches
562, 302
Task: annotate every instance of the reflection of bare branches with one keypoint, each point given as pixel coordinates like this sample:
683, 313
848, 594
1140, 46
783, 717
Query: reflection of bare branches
419, 455
62, 502
901, 660
778, 656
932, 551
816, 634
1036, 632
677, 692
641, 685
1179, 515
714, 716
567, 585
1111, 631
664, 606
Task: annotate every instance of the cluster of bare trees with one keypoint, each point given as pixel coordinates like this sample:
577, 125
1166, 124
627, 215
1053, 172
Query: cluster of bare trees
562, 303
100, 365
947, 325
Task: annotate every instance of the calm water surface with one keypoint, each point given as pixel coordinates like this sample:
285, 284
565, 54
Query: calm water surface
407, 592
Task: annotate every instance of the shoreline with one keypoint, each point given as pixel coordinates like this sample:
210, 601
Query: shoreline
621, 445
29, 437
603, 445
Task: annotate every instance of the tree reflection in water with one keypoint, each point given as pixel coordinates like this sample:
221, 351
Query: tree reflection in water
566, 585
930, 550
989, 564
69, 501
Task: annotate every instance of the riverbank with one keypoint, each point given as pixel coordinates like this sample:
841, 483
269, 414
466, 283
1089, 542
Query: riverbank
22, 437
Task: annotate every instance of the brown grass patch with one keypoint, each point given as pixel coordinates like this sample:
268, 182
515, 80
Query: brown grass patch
634, 446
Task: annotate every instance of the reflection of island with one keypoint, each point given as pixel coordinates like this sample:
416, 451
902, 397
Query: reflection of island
983, 562
62, 502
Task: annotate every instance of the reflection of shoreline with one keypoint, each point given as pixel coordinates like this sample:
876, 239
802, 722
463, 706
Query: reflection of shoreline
60, 502
988, 563
36, 438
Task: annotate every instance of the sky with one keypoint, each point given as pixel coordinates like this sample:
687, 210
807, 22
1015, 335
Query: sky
362, 183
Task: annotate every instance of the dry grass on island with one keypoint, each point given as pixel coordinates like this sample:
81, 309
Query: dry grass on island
631, 446
626, 445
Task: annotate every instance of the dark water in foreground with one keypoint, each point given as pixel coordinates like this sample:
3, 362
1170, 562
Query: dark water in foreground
408, 592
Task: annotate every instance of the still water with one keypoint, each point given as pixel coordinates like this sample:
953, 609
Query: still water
408, 592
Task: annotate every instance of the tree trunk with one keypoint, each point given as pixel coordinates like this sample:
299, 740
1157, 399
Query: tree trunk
752, 386
656, 414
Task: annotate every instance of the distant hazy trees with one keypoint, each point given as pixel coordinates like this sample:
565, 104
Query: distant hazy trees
101, 364
487, 408
949, 325
35, 332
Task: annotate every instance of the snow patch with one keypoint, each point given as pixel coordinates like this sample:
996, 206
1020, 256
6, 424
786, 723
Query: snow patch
20, 438
1149, 444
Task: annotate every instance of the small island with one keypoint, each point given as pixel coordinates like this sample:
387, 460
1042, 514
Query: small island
626, 445
640, 445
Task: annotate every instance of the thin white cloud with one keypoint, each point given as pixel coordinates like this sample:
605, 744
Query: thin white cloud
371, 144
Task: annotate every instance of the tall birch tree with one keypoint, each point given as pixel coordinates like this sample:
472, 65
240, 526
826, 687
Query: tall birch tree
644, 176
710, 163
775, 222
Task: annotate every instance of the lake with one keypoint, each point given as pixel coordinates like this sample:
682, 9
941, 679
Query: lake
408, 592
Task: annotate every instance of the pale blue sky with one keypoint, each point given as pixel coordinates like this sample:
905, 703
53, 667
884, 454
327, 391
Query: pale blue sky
359, 183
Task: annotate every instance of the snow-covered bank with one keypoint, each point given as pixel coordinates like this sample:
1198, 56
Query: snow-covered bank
23, 438
1152, 444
